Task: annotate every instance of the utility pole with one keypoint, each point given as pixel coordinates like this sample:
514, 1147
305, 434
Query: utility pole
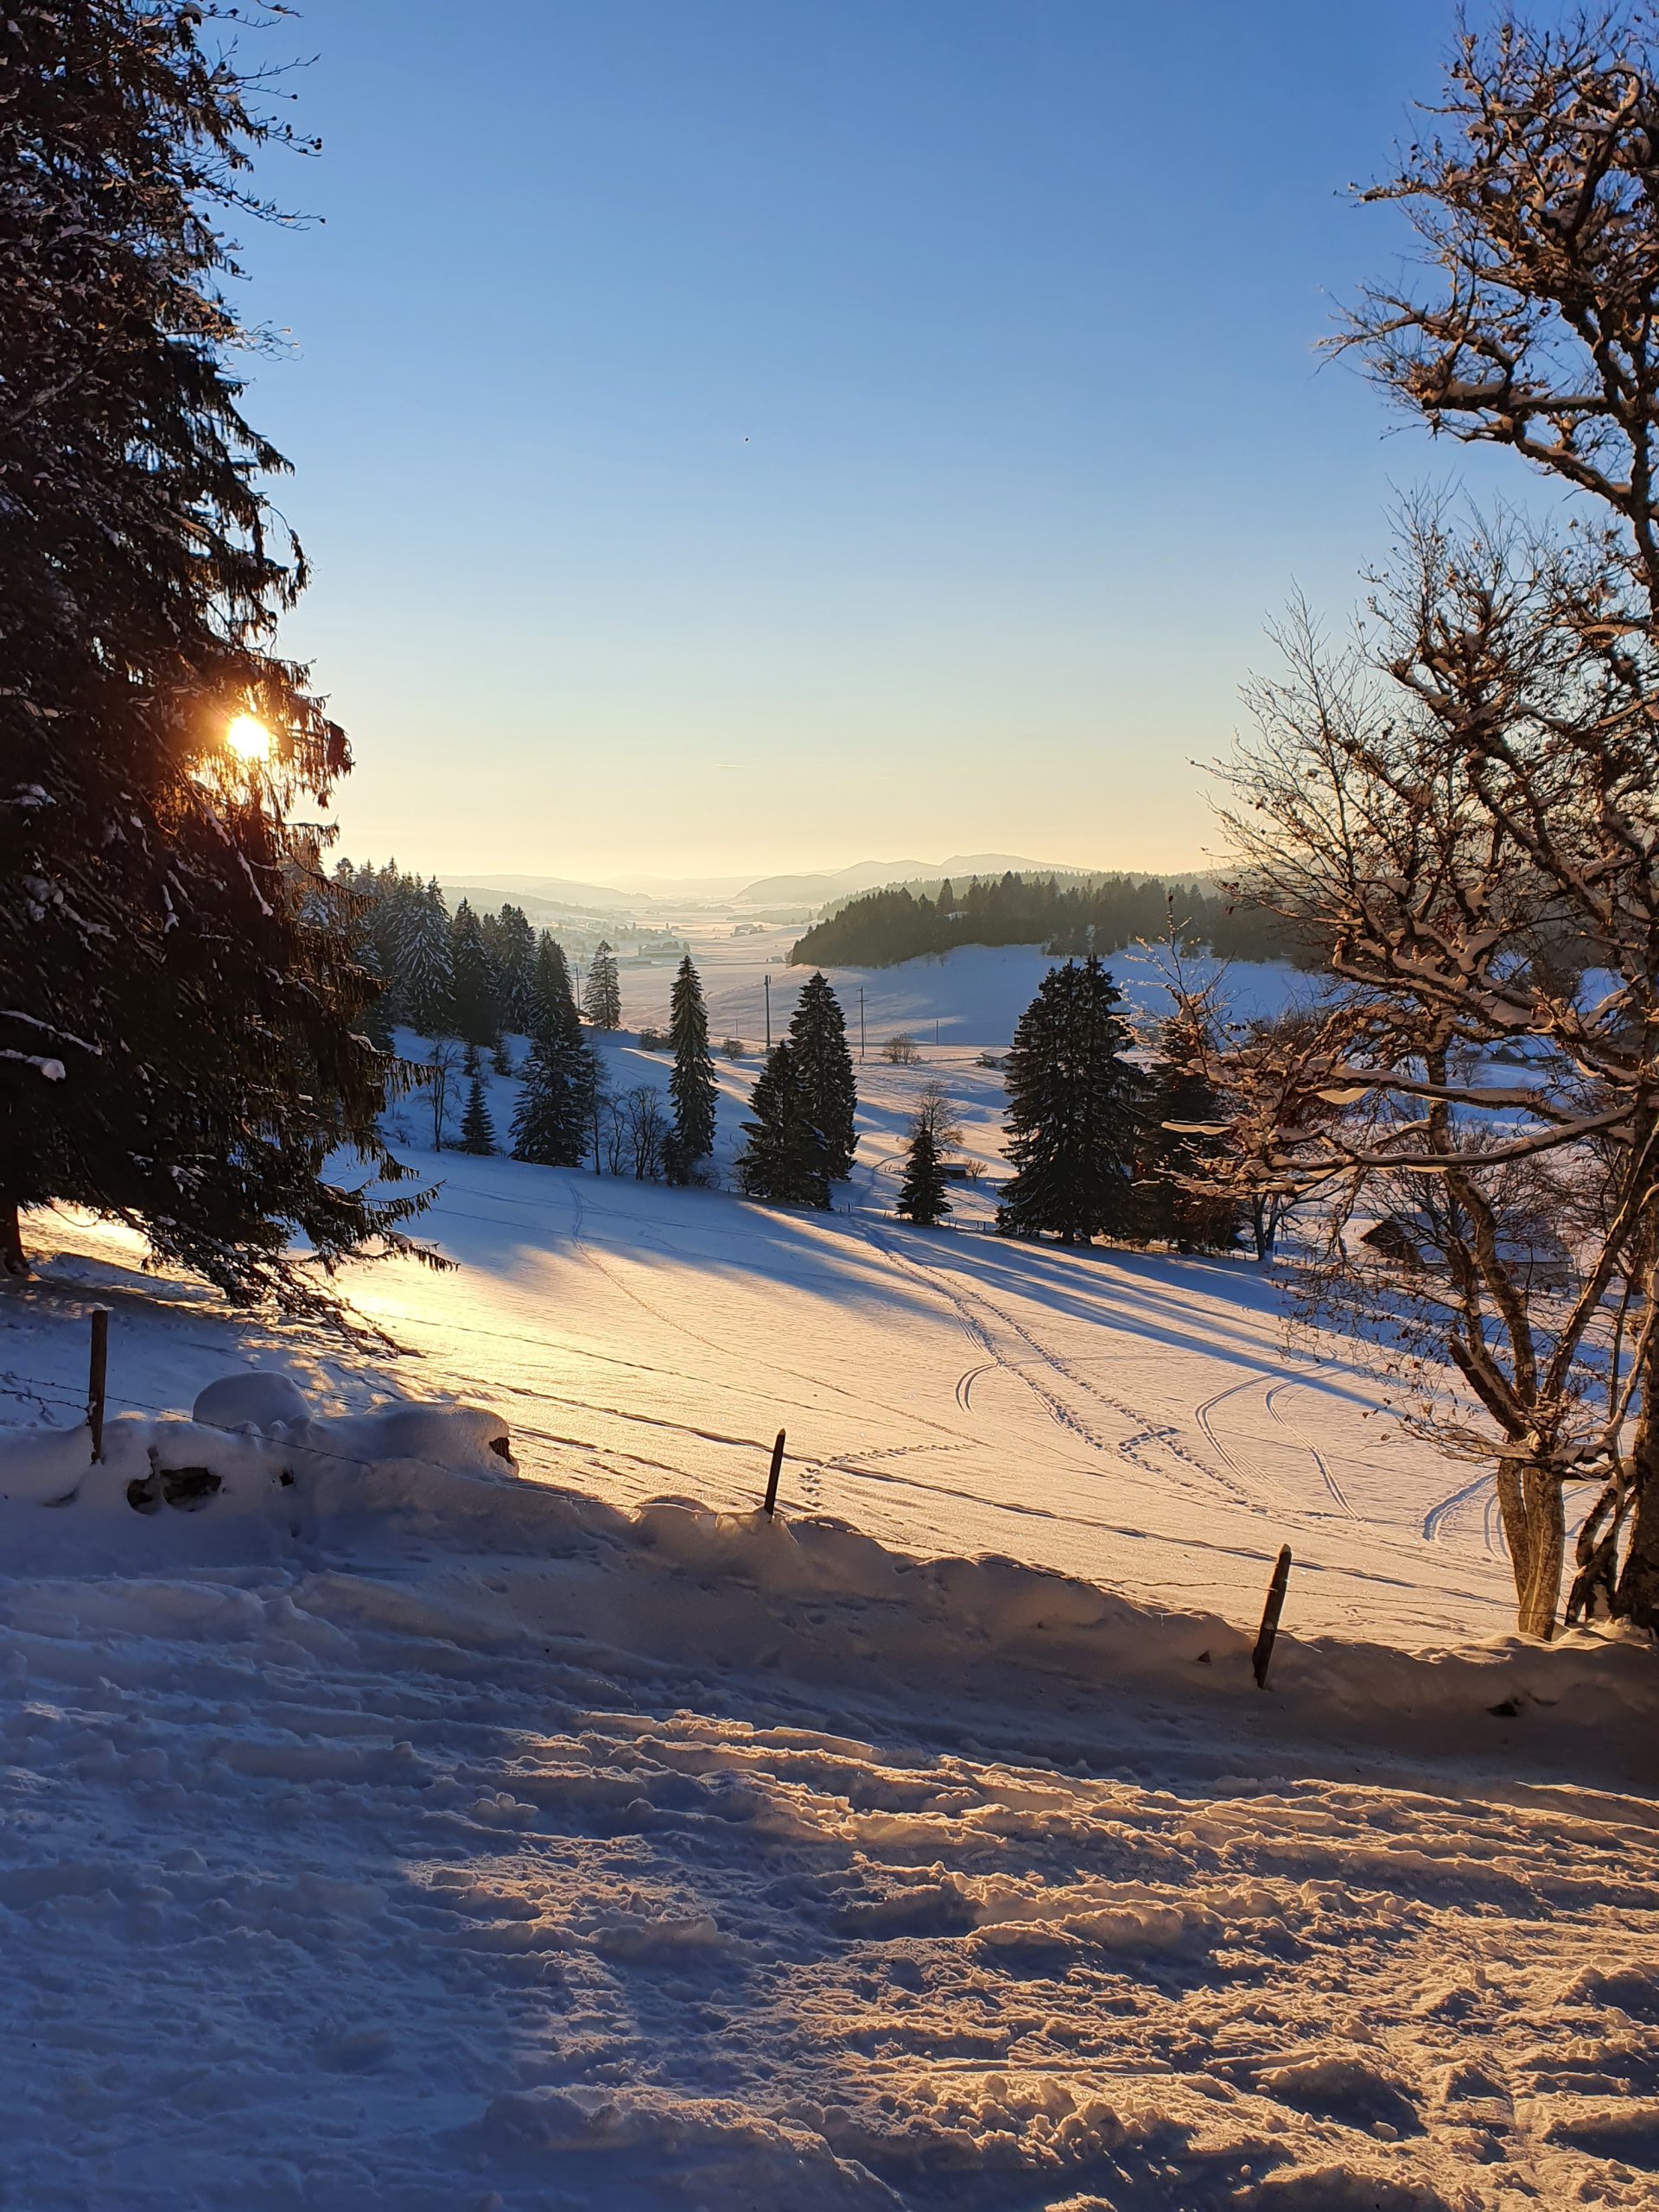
766, 979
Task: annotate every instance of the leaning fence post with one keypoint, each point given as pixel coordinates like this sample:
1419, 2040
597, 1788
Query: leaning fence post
776, 1469
98, 1370
1270, 1612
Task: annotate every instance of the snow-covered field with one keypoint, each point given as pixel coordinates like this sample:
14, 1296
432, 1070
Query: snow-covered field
974, 994
422, 1832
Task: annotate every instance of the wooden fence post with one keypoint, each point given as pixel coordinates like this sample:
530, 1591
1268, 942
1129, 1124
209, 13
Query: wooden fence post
96, 1376
771, 1479
1270, 1612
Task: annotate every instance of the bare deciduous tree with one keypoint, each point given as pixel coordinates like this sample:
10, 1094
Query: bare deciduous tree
937, 1108
1466, 808
441, 1075
647, 1130
1449, 806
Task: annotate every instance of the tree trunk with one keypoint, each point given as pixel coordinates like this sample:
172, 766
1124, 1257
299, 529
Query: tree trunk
1596, 1583
12, 1259
1534, 1525
1638, 1597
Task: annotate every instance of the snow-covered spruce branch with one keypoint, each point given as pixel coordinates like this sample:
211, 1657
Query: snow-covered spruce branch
52, 1028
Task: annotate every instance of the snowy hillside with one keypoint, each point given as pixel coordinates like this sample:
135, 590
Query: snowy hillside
1130, 1417
389, 1825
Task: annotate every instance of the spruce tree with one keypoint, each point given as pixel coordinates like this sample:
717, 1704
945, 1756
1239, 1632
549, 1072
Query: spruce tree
1074, 1118
783, 1159
818, 1036
1180, 1131
477, 1013
392, 895
426, 964
553, 1003
512, 945
183, 1040
551, 1122
691, 1085
477, 1127
601, 999
922, 1195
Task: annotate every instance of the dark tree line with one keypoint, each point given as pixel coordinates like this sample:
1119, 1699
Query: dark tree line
1099, 914
475, 976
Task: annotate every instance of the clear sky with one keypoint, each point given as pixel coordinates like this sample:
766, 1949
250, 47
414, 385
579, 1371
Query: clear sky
764, 433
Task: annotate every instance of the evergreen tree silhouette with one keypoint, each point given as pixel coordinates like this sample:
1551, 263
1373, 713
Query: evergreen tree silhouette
1174, 1143
477, 1013
691, 1085
1074, 1118
553, 1003
183, 1037
922, 1196
783, 1158
817, 1037
602, 998
512, 946
477, 1129
551, 1122
426, 963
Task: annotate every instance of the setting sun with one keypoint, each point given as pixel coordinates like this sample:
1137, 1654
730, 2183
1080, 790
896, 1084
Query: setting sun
249, 738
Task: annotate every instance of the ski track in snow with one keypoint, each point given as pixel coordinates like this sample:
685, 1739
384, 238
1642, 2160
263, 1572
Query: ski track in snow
1440, 1516
1295, 1383
971, 1306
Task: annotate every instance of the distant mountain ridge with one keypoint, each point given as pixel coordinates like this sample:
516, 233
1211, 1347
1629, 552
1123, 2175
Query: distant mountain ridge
870, 875
817, 887
806, 890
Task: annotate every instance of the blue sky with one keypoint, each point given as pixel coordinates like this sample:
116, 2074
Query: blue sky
738, 436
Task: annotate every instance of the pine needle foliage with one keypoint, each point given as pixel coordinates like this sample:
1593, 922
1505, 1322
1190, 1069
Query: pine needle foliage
1180, 1122
783, 1158
552, 1001
477, 1124
691, 1084
923, 1198
183, 1043
474, 986
424, 954
551, 1122
602, 997
817, 1035
1074, 1118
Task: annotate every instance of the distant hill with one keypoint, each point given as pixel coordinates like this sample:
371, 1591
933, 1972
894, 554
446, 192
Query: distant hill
870, 875
545, 890
1087, 914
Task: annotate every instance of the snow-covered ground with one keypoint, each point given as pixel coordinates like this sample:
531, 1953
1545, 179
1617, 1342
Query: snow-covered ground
422, 1832
974, 994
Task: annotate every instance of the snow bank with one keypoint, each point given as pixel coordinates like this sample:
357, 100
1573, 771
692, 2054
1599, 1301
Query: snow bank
215, 1488
809, 1598
399, 1833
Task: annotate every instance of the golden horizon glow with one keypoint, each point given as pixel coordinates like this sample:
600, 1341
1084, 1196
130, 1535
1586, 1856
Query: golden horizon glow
248, 738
